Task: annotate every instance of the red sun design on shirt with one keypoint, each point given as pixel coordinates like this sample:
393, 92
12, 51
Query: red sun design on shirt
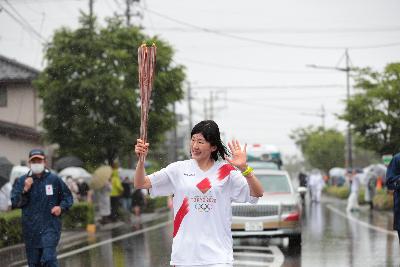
224, 171
204, 185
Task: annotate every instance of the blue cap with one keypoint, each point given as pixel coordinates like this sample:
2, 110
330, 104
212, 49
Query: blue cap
36, 153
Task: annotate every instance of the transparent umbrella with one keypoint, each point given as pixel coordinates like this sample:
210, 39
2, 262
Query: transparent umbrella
76, 173
100, 177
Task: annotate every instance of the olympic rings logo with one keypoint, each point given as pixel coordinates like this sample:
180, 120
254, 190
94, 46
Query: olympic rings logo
203, 207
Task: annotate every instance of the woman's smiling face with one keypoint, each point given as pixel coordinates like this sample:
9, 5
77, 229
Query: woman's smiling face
200, 148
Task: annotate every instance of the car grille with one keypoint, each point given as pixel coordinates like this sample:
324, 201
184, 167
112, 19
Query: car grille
255, 210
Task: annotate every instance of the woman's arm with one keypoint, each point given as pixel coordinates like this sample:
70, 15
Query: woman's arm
141, 181
239, 160
256, 189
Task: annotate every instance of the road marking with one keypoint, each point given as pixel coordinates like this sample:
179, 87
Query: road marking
272, 253
251, 263
252, 254
352, 218
82, 249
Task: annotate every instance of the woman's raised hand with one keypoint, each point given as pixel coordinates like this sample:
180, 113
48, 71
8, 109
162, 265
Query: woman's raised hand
141, 148
239, 156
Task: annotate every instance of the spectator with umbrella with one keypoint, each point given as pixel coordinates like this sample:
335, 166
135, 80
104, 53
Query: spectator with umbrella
5, 185
101, 185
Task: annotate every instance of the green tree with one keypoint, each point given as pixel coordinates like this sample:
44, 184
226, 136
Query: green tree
322, 149
90, 90
374, 110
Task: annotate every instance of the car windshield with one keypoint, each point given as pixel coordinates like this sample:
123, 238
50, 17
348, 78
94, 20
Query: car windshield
274, 183
263, 165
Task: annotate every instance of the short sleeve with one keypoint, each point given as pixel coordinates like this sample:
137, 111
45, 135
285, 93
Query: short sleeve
161, 183
240, 190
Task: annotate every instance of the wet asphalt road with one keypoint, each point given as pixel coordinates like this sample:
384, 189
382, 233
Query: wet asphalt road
330, 238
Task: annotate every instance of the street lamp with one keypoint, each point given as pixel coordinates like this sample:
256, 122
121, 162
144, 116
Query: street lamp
349, 158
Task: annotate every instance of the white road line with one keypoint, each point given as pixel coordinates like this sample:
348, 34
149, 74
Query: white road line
251, 263
352, 218
273, 252
82, 249
252, 254
257, 248
279, 257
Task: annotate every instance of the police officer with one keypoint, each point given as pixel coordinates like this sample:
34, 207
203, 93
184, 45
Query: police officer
43, 197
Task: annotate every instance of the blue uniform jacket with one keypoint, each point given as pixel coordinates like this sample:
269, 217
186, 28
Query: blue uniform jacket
393, 183
40, 227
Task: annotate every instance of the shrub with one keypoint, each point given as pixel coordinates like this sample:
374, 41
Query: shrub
338, 191
79, 215
153, 204
10, 228
383, 200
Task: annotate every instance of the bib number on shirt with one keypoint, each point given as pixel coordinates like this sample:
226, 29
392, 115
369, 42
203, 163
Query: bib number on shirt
49, 190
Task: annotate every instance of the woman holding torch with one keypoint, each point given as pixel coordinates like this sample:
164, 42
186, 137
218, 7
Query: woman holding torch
203, 189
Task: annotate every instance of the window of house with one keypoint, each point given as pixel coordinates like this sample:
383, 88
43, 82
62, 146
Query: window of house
3, 96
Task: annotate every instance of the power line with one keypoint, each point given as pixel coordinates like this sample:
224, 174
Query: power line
266, 87
25, 25
287, 30
269, 43
223, 66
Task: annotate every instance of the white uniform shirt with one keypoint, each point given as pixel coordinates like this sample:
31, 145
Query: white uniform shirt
202, 209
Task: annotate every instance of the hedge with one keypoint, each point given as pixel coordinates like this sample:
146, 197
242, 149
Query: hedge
383, 199
153, 204
77, 217
80, 215
10, 228
342, 192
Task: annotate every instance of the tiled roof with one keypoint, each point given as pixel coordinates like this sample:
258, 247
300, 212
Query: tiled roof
11, 70
18, 131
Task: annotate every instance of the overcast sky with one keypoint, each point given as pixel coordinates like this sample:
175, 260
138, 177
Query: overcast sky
251, 55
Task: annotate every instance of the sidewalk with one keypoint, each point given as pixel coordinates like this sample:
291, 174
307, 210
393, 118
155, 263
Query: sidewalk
15, 255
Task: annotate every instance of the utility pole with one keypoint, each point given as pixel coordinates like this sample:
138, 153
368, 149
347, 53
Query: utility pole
91, 3
211, 105
349, 149
175, 147
349, 157
205, 109
91, 8
189, 96
128, 11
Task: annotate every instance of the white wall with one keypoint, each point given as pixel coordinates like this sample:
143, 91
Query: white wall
23, 107
16, 149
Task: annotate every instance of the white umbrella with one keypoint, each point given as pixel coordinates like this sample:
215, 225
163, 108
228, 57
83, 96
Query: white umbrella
18, 171
337, 172
76, 173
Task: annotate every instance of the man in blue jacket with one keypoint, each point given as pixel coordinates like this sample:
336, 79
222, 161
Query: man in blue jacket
43, 197
393, 183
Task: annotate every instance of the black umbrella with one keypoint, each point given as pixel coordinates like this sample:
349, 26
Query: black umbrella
67, 161
5, 170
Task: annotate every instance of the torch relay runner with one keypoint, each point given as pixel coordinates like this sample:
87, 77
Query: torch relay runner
43, 198
203, 188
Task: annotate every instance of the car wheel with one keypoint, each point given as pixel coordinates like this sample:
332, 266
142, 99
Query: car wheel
294, 241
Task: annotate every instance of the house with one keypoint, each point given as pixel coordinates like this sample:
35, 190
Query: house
20, 111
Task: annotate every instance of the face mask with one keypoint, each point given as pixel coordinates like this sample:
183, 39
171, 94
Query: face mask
37, 168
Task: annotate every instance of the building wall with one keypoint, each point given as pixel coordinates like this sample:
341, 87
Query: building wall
23, 106
16, 150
